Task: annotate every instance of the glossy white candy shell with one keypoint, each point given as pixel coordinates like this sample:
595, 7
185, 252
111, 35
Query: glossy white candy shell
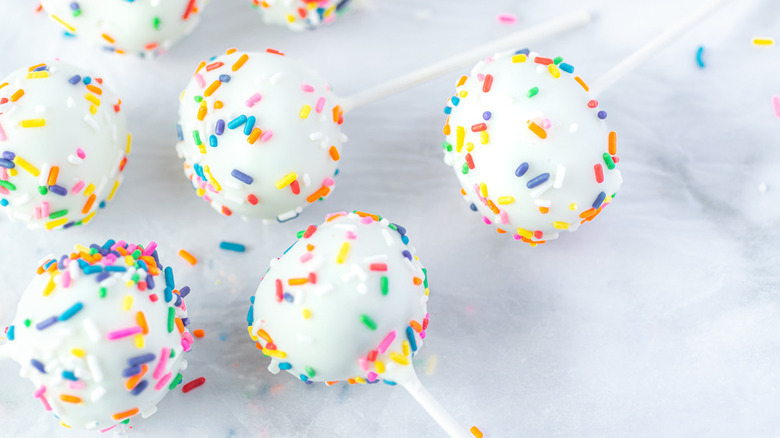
287, 13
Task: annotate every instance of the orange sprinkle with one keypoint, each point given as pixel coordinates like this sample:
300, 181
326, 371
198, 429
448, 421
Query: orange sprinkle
264, 334
16, 96
200, 66
476, 432
198, 333
415, 326
320, 193
212, 88
140, 318
132, 382
179, 325
338, 114
108, 38
231, 51
70, 398
218, 104
126, 414
613, 143
256, 133
94, 89
536, 129
417, 281
241, 61
53, 174
188, 257
297, 281
88, 204
334, 153
582, 83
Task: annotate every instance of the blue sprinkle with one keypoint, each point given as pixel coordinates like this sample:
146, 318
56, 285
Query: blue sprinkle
140, 387
224, 78
142, 359
447, 110
238, 121
602, 115
231, 246
4, 202
179, 133
213, 140
599, 200
405, 239
473, 207
109, 243
304, 378
521, 170
252, 299
69, 375
7, 163
699, 53
250, 316
168, 294
407, 254
68, 314
46, 323
288, 297
87, 80
38, 366
285, 366
241, 176
410, 337
10, 333
250, 123
523, 52
116, 268
568, 68
538, 180
487, 115
455, 100
389, 382
75, 80
91, 269
169, 278
220, 128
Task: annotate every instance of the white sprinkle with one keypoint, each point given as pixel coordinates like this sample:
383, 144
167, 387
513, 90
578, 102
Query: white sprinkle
94, 368
92, 330
149, 412
535, 193
98, 393
560, 174
91, 122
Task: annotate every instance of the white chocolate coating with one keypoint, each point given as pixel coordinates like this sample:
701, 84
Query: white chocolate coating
323, 307
489, 136
68, 337
300, 14
262, 116
144, 27
63, 145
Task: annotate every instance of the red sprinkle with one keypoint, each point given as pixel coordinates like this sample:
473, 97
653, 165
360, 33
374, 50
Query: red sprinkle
279, 291
593, 104
478, 127
599, 173
252, 199
194, 384
487, 83
381, 267
543, 61
469, 161
309, 231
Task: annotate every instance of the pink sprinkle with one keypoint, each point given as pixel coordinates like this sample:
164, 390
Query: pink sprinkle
4, 174
351, 235
363, 362
119, 243
46, 405
422, 334
37, 213
77, 187
160, 369
188, 337
164, 381
119, 334
306, 88
266, 136
108, 428
80, 153
366, 220
150, 248
339, 213
39, 392
253, 99
66, 279
110, 258
546, 123
480, 77
76, 385
306, 257
4, 191
186, 345
320, 105
517, 237
371, 376
2, 134
776, 105
504, 217
328, 182
200, 80
486, 220
131, 248
45, 209
506, 18
386, 342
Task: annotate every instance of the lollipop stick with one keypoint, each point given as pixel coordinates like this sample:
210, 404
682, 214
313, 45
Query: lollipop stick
426, 400
468, 58
648, 50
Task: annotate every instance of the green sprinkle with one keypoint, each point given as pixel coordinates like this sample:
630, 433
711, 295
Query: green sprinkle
27, 322
171, 316
365, 319
137, 254
93, 251
310, 372
558, 60
57, 214
383, 285
136, 278
196, 137
43, 190
425, 277
446, 146
609, 161
175, 382
127, 421
156, 23
103, 292
533, 91
77, 12
8, 185
198, 99
465, 169
301, 233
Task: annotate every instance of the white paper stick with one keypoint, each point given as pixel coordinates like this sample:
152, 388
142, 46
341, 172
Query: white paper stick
540, 32
434, 409
648, 50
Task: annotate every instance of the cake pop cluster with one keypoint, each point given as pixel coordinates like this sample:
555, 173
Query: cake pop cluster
300, 14
530, 147
64, 145
347, 302
140, 27
101, 333
260, 135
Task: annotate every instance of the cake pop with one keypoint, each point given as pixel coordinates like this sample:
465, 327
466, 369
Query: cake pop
63, 140
101, 333
347, 302
300, 14
143, 27
530, 147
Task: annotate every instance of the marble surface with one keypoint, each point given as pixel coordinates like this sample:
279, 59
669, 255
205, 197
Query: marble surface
661, 318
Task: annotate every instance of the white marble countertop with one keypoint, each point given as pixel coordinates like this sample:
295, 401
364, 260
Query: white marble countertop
661, 318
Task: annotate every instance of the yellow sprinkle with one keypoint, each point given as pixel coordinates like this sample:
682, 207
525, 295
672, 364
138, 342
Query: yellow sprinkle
554, 70
56, 223
460, 136
380, 366
463, 93
763, 41
67, 26
130, 261
427, 291
306, 313
406, 348
286, 181
483, 190
469, 147
12, 172
360, 380
274, 353
87, 219
127, 303
519, 58
21, 162
484, 137
525, 233
290, 18
88, 191
399, 358
92, 98
129, 141
92, 109
32, 123
81, 248
561, 225
252, 335
573, 206
113, 190
200, 192
343, 252
49, 287
78, 352
305, 111
504, 200
212, 180
139, 342
38, 75
129, 283
62, 423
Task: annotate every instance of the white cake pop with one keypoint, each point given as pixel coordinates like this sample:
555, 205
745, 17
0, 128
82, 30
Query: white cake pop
260, 135
530, 146
346, 302
63, 145
300, 14
101, 334
143, 27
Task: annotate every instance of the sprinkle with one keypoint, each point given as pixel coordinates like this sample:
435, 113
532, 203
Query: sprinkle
126, 414
38, 366
123, 333
385, 344
536, 129
476, 432
70, 398
188, 257
506, 18
198, 333
286, 180
599, 173
699, 53
399, 358
410, 338
599, 200
76, 308
231, 246
343, 251
538, 180
46, 323
193, 384
775, 105
241, 176
240, 62
32, 123
368, 322
608, 161
759, 41
171, 317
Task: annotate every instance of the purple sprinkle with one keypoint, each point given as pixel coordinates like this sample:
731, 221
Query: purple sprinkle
486, 115
8, 155
401, 230
42, 68
521, 170
75, 80
602, 115
132, 371
538, 180
220, 127
58, 190
46, 323
407, 254
224, 78
38, 366
140, 387
183, 292
149, 281
241, 176
142, 359
102, 276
